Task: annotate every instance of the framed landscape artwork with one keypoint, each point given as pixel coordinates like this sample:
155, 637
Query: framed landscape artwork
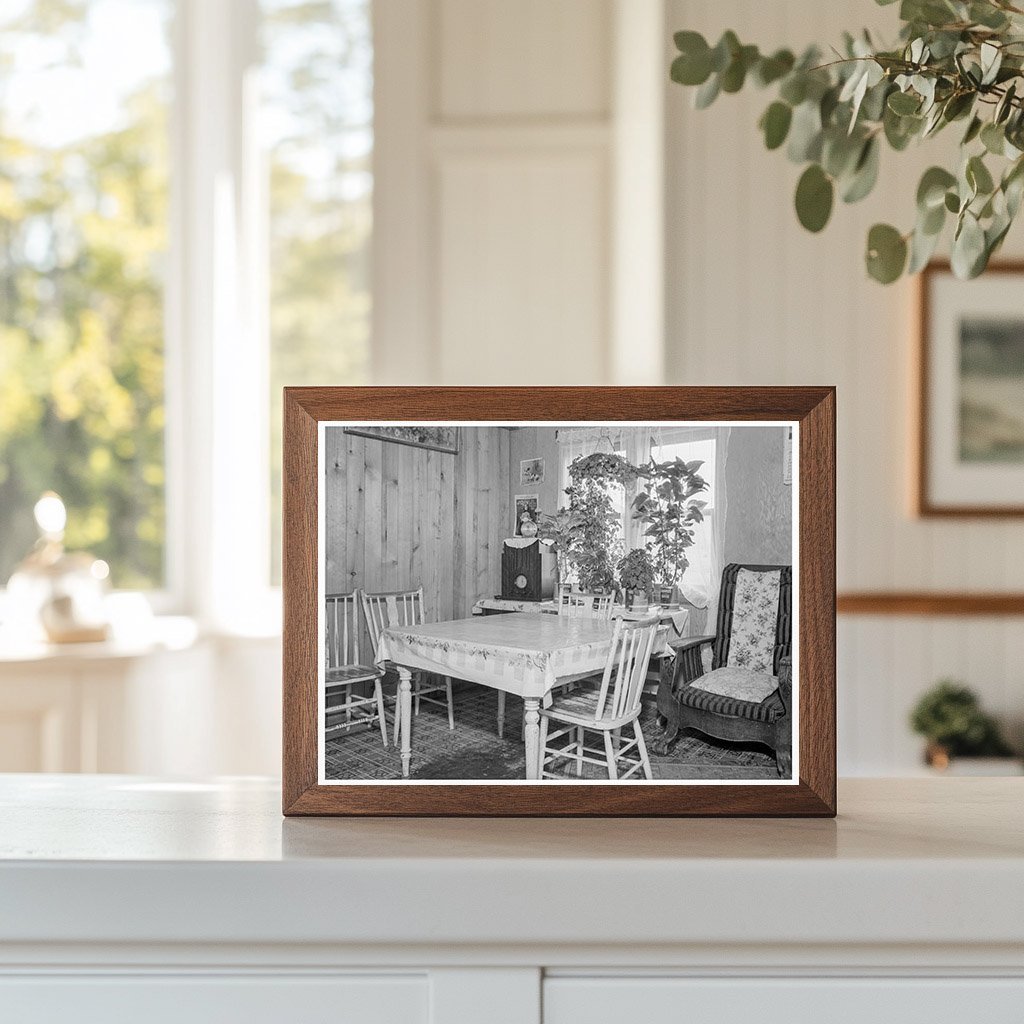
970, 451
669, 661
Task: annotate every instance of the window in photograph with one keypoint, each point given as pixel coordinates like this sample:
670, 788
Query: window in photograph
317, 129
83, 242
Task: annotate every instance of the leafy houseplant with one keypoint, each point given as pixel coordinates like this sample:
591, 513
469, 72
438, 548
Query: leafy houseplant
668, 506
950, 718
585, 532
636, 574
956, 61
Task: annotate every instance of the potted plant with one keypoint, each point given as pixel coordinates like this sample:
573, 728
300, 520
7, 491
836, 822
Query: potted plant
636, 575
585, 532
669, 508
950, 718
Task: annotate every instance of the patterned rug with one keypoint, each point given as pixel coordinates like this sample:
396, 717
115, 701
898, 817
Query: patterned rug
473, 750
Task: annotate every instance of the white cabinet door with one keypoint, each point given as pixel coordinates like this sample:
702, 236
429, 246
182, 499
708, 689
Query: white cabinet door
205, 999
573, 1000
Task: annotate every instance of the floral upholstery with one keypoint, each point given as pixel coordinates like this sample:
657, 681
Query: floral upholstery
739, 683
754, 616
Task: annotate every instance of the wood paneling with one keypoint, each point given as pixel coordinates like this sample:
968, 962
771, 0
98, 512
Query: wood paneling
399, 517
754, 299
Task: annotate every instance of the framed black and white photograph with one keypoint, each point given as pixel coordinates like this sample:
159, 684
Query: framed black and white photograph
640, 635
531, 471
525, 512
971, 393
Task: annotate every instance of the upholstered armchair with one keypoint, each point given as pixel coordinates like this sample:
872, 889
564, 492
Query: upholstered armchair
745, 693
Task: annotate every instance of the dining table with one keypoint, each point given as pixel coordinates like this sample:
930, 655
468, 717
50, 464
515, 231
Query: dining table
526, 655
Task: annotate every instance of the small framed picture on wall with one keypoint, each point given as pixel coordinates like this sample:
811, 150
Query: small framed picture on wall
531, 471
526, 505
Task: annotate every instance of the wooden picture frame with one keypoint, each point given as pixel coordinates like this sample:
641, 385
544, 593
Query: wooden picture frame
812, 790
936, 475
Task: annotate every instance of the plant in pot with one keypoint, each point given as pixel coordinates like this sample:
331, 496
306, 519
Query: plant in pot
636, 575
669, 507
950, 718
584, 537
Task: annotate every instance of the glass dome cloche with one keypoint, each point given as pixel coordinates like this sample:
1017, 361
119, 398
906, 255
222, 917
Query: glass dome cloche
56, 595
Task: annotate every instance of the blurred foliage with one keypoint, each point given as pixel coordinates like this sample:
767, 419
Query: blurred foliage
957, 61
83, 236
82, 230
950, 716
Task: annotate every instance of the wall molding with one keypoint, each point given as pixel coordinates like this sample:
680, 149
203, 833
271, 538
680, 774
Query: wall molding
934, 603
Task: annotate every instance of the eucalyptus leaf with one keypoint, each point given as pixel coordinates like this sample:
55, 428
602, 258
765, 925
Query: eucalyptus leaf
931, 191
968, 247
978, 175
707, 93
904, 103
775, 124
771, 69
993, 138
886, 254
865, 173
805, 133
922, 247
814, 196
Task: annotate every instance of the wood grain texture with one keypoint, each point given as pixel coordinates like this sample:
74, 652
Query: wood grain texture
925, 603
813, 407
393, 522
924, 506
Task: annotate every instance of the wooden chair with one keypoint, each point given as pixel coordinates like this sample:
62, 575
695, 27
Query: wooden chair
584, 606
606, 710
405, 608
345, 670
746, 696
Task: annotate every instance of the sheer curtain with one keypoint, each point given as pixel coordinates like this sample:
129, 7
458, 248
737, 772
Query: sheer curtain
702, 579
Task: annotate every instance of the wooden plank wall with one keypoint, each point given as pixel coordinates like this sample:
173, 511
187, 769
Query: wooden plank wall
399, 517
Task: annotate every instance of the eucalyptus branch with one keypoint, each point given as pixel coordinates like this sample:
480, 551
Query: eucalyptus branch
953, 60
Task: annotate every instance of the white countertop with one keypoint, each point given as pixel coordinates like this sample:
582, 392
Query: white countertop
121, 859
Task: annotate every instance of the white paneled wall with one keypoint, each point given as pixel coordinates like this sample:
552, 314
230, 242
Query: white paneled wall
505, 133
754, 299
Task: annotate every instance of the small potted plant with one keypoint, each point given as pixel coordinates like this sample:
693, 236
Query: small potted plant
950, 718
636, 575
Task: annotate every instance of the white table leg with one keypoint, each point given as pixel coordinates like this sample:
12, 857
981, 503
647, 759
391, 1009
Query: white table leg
405, 717
532, 730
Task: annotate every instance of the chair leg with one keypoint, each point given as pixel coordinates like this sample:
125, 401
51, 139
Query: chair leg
542, 746
398, 715
451, 704
609, 751
579, 752
642, 748
378, 691
419, 683
617, 741
501, 714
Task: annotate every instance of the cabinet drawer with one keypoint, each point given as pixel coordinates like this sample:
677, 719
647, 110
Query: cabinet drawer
222, 999
572, 1000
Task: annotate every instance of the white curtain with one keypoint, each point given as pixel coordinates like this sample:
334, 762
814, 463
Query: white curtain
703, 578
